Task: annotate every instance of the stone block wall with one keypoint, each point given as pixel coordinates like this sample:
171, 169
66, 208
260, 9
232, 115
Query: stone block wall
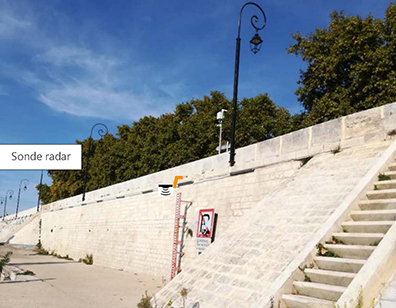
242, 268
135, 233
368, 126
128, 226
28, 233
12, 224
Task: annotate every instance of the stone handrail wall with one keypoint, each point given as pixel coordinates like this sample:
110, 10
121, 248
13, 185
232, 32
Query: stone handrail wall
128, 226
368, 126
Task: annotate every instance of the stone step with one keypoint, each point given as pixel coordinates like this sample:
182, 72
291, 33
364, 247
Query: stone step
367, 226
372, 239
329, 277
381, 204
319, 290
379, 215
300, 301
392, 167
388, 184
339, 264
351, 251
391, 174
381, 194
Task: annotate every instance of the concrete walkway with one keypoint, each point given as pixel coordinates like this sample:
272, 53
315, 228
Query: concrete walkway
69, 284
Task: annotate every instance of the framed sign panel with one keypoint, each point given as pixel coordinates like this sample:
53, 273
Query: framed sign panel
205, 223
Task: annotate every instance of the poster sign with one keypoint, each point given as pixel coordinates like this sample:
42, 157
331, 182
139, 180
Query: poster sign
202, 243
205, 223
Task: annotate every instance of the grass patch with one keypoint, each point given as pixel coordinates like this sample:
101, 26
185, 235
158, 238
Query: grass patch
324, 252
392, 132
189, 232
64, 257
302, 269
53, 253
5, 259
335, 240
145, 301
305, 160
28, 273
88, 259
336, 150
383, 177
39, 250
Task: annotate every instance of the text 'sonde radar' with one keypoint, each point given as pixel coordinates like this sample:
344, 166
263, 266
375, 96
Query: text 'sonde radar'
166, 189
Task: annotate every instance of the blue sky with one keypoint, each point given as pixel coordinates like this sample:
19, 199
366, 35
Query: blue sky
65, 65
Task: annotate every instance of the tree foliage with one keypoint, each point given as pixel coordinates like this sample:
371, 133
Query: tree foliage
4, 260
153, 144
351, 65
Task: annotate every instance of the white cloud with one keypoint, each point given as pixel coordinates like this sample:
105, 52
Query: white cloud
81, 57
70, 76
81, 82
10, 25
89, 101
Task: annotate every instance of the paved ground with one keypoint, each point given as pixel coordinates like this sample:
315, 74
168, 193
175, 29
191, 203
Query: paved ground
69, 284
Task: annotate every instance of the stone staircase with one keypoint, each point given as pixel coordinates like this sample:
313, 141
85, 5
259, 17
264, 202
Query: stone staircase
11, 226
342, 257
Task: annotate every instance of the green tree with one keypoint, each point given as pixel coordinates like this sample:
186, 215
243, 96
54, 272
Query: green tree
45, 193
152, 144
350, 65
260, 119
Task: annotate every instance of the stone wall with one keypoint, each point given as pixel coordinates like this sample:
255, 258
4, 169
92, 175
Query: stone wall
11, 225
369, 126
135, 233
28, 233
242, 267
128, 226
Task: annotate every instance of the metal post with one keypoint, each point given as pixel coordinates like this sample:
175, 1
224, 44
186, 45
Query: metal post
25, 182
39, 193
253, 21
86, 168
101, 133
221, 127
5, 207
8, 193
182, 236
235, 98
19, 196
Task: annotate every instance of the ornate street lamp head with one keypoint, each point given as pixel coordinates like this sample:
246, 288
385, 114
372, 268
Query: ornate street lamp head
25, 183
255, 43
10, 193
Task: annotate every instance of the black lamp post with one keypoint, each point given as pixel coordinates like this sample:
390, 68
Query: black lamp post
39, 191
25, 183
1, 200
255, 45
101, 132
9, 193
